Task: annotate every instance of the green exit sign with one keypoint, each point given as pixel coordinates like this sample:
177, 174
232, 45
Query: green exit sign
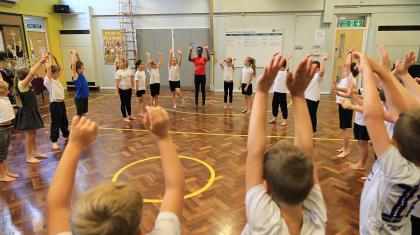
351, 23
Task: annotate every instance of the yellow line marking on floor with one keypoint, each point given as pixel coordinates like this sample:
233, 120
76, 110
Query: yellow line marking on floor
193, 194
218, 134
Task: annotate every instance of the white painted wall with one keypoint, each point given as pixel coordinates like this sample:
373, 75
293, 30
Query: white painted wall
299, 18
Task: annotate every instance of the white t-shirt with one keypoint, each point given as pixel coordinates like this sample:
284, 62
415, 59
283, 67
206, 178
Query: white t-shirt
313, 92
140, 76
388, 195
344, 83
246, 71
174, 73
265, 218
124, 75
55, 89
228, 73
416, 210
167, 223
154, 75
359, 118
389, 125
280, 82
6, 110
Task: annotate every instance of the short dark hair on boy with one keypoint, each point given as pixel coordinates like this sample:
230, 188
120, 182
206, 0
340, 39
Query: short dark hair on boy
407, 135
288, 172
138, 62
79, 64
318, 65
353, 69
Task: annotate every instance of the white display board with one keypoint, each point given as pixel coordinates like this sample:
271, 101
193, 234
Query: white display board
260, 44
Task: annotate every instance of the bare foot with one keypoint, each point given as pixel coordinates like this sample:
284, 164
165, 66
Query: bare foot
357, 166
126, 120
55, 147
132, 118
13, 175
343, 154
340, 150
273, 120
40, 155
33, 160
6, 178
225, 107
283, 123
174, 106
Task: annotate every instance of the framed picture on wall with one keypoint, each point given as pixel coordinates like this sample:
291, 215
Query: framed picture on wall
2, 48
13, 42
113, 45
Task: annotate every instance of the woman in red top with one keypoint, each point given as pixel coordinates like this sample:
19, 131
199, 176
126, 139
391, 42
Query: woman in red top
200, 71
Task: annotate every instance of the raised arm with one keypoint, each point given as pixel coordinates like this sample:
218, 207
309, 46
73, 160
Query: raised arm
401, 69
160, 60
180, 57
372, 109
222, 64
32, 73
297, 85
257, 133
157, 122
347, 63
83, 133
190, 47
48, 68
171, 52
74, 59
206, 48
322, 65
56, 63
149, 60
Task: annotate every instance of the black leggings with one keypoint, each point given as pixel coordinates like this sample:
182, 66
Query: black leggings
313, 108
125, 97
200, 81
59, 121
280, 99
228, 87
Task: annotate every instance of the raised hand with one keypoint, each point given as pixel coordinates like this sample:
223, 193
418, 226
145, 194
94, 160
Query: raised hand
206, 46
156, 121
160, 53
190, 46
147, 53
45, 57
324, 56
171, 51
299, 81
402, 66
384, 60
83, 132
179, 51
270, 72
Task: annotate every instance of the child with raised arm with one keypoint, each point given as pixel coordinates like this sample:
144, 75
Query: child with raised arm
124, 87
280, 95
292, 201
248, 74
228, 67
174, 66
80, 83
6, 124
58, 111
313, 92
114, 208
28, 119
140, 78
346, 115
153, 70
391, 190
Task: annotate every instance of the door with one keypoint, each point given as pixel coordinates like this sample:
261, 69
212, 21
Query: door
344, 40
38, 46
182, 37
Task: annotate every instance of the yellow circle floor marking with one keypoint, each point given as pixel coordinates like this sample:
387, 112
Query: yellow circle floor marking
193, 194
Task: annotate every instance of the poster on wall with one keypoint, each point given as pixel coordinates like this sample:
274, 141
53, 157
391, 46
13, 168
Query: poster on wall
2, 48
258, 43
113, 45
14, 42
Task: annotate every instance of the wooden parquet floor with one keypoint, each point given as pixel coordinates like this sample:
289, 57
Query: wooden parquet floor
211, 135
